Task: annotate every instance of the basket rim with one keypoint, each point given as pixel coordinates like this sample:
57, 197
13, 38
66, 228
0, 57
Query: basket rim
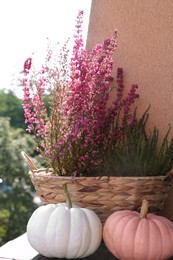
44, 174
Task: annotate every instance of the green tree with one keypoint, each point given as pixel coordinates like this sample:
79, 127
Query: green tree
4, 221
11, 106
16, 190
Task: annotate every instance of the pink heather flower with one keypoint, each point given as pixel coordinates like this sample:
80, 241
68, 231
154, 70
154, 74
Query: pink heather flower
130, 99
74, 131
27, 65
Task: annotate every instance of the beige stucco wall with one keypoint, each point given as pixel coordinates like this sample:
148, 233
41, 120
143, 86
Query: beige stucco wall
145, 51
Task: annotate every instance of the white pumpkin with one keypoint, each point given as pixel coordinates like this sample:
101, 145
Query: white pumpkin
57, 230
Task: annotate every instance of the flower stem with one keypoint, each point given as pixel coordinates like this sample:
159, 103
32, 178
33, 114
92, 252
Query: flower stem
144, 209
67, 195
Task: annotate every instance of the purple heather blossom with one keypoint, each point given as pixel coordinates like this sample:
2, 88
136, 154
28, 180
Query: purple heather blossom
77, 128
27, 65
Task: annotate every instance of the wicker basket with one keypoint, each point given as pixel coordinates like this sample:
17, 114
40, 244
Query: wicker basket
104, 194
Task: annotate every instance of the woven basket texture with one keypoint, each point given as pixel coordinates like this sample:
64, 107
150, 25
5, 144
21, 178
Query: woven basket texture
103, 195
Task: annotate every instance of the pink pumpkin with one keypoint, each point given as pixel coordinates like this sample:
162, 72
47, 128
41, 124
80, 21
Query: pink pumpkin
138, 236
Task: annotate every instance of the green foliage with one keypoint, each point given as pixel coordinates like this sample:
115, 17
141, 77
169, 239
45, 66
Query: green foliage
4, 221
138, 153
16, 190
11, 107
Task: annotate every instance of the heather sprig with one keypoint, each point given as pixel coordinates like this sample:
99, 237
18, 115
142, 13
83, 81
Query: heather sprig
74, 130
139, 152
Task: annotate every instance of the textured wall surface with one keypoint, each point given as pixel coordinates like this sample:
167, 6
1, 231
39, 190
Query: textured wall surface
145, 51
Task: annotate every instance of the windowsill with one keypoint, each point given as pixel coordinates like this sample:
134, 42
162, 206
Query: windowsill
20, 249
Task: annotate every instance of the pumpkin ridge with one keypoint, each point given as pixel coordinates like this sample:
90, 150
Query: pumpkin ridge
161, 238
68, 239
84, 217
30, 229
69, 235
147, 228
90, 231
151, 225
130, 218
57, 223
167, 227
91, 220
46, 230
114, 220
114, 230
117, 222
120, 216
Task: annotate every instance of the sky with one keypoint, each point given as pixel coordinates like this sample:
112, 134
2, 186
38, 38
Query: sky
24, 27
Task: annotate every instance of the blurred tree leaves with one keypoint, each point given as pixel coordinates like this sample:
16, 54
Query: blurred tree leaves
16, 190
11, 107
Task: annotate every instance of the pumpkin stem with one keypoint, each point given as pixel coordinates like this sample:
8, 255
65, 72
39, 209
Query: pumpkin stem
144, 209
67, 195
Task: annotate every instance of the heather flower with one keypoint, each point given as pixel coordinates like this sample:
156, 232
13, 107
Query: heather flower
27, 65
74, 130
